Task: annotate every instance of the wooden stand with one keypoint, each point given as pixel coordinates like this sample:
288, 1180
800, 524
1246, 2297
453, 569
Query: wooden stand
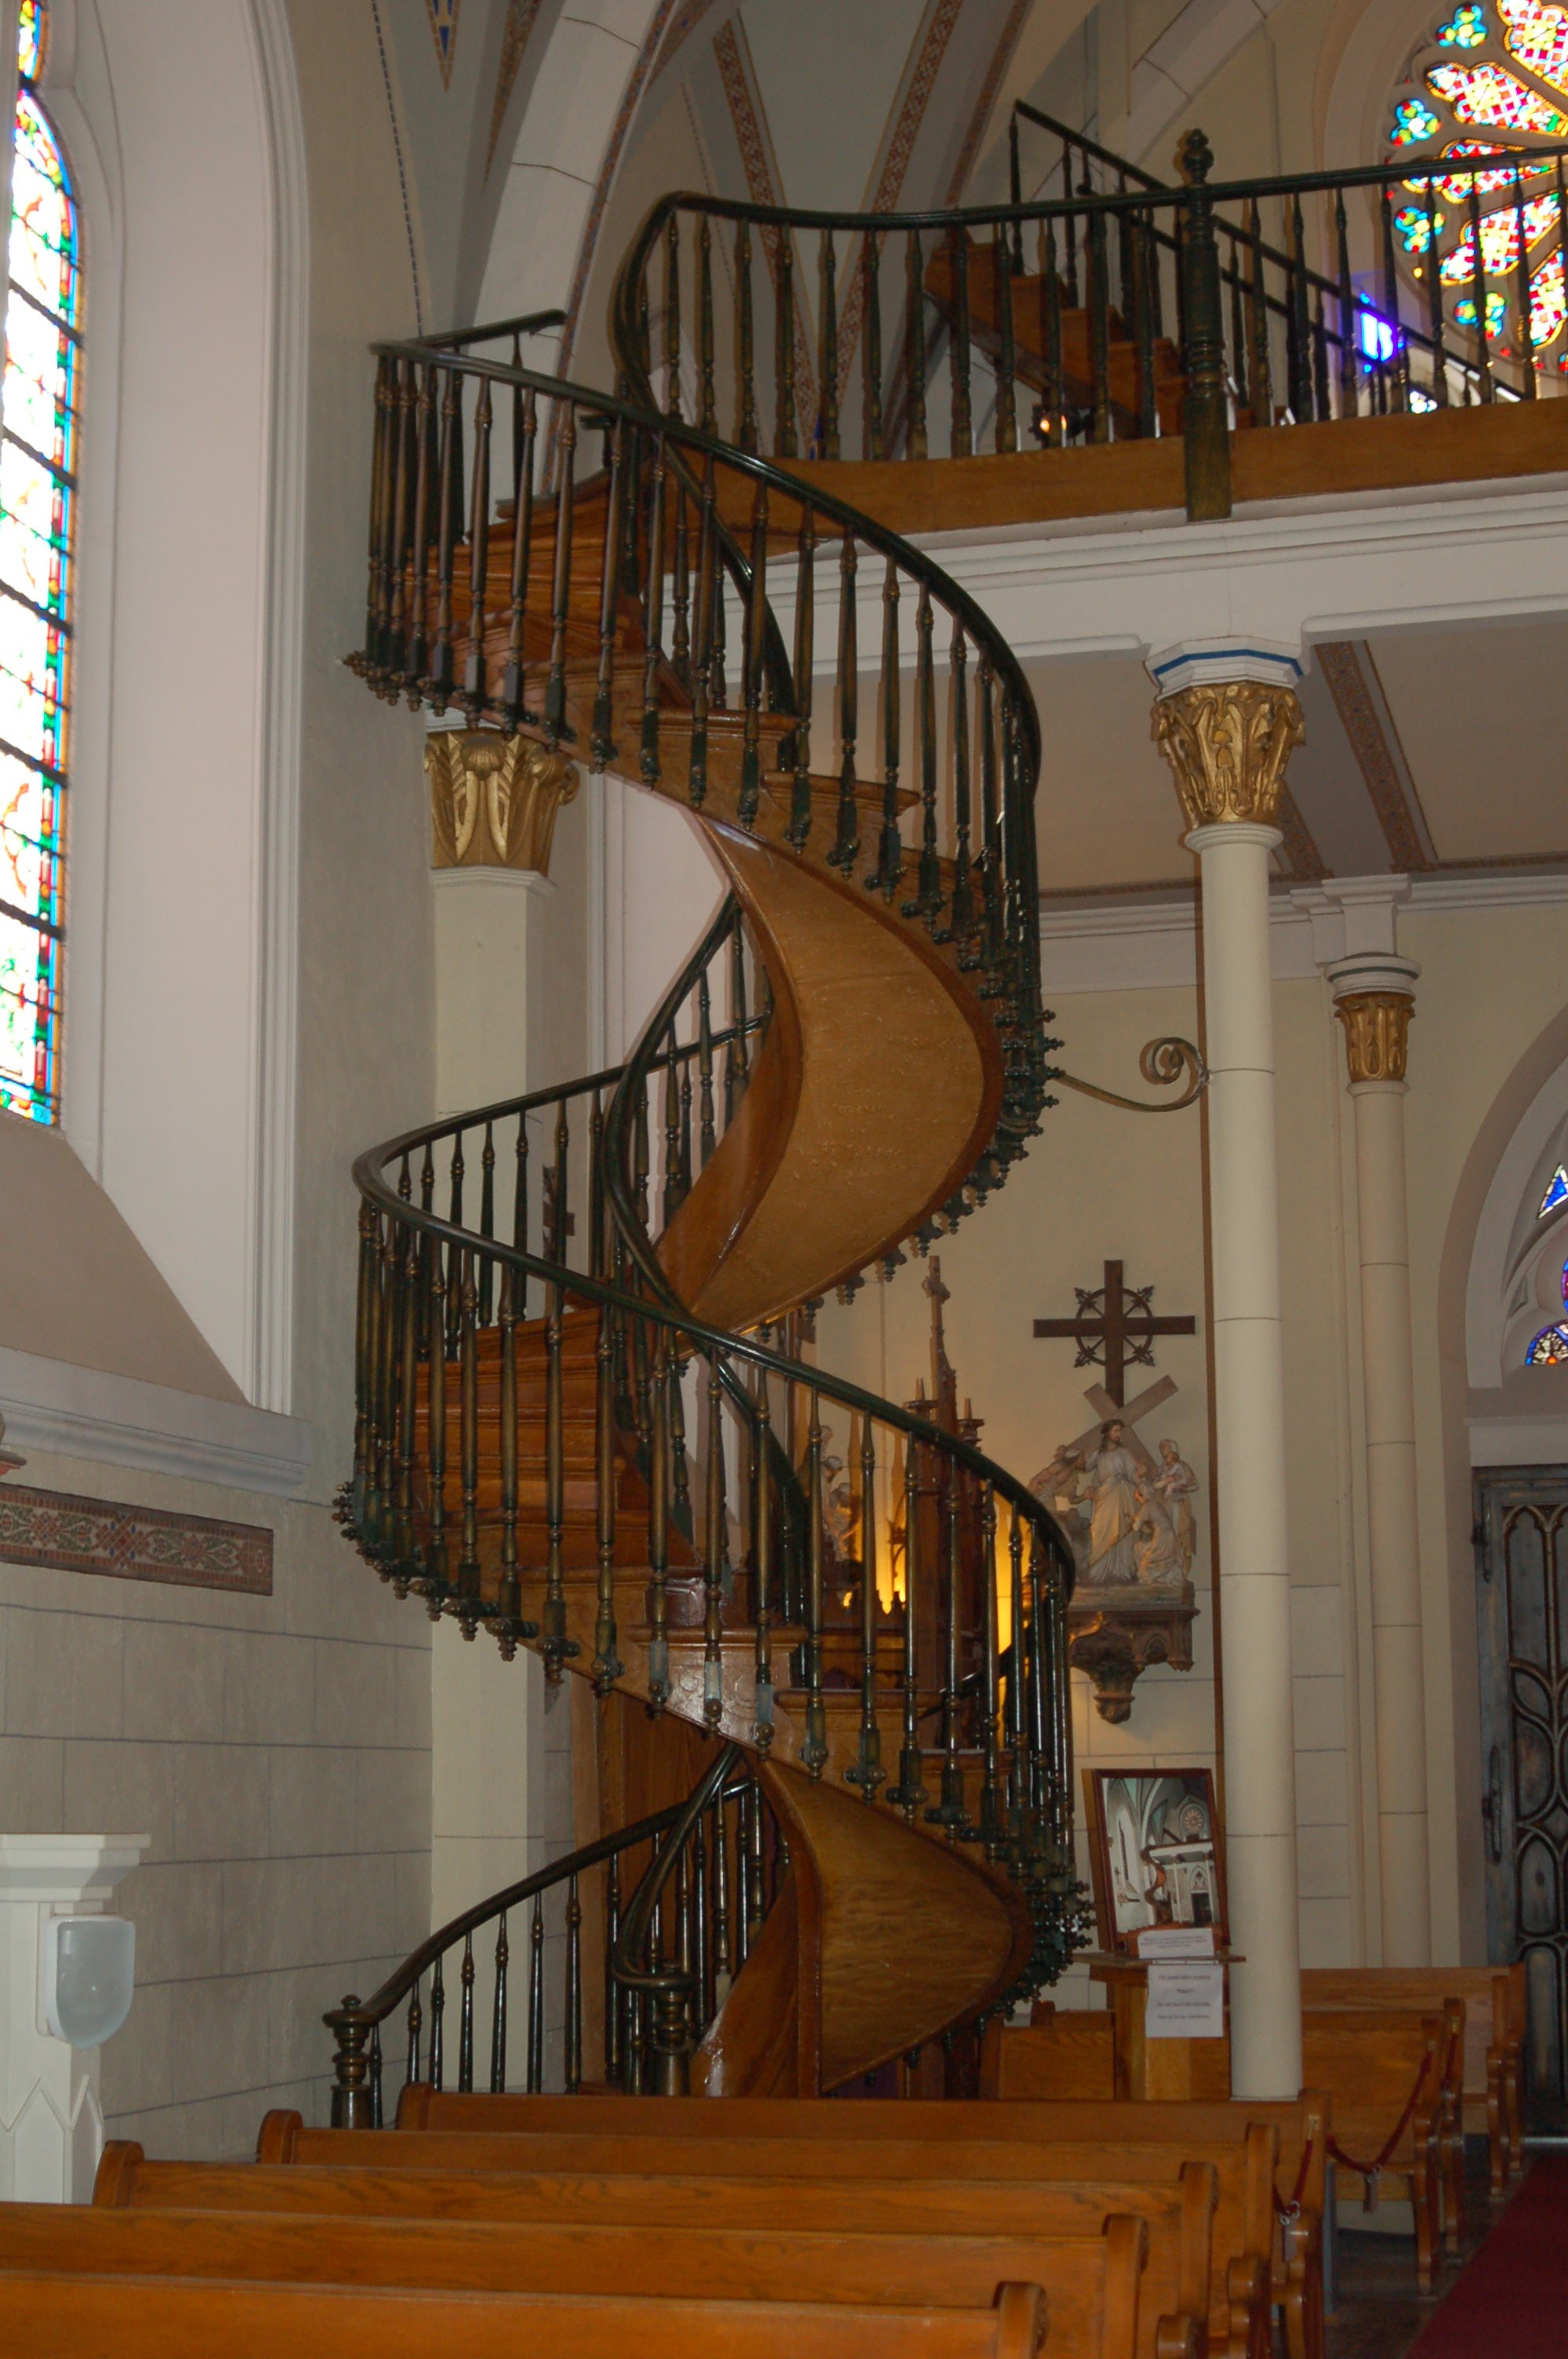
1189, 2070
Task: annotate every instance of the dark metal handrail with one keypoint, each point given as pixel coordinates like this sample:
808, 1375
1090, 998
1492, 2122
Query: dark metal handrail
669, 1988
1137, 234
356, 2023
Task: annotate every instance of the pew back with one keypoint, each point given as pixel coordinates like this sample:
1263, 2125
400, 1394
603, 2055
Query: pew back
1200, 2213
68, 2317
1092, 2283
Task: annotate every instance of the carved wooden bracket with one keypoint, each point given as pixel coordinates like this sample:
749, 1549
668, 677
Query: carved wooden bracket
1115, 1633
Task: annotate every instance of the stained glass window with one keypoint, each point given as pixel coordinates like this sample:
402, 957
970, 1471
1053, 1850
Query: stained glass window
37, 456
1549, 1349
1557, 1193
1492, 75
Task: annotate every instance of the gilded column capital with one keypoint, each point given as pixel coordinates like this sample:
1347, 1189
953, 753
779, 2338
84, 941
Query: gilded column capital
1376, 1033
1228, 743
1374, 999
493, 799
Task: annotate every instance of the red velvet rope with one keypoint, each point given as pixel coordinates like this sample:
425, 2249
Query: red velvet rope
1371, 2170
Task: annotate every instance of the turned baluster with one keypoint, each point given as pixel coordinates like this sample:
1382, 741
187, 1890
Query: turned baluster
915, 344
439, 686
958, 355
848, 842
614, 2049
745, 361
658, 1535
653, 620
537, 1998
910, 1791
465, 2019
498, 2013
827, 352
872, 356
707, 414
714, 1556
415, 2026
888, 870
805, 631
672, 317
868, 1772
573, 2059
814, 1752
1006, 361
762, 1547
438, 2025
468, 1571
608, 1666
784, 444
755, 641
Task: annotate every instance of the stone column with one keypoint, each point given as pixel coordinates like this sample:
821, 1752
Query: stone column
1373, 1000
1226, 718
493, 802
500, 1755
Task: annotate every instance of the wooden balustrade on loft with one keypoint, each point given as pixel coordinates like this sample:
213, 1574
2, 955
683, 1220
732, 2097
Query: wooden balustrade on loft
584, 1423
1125, 346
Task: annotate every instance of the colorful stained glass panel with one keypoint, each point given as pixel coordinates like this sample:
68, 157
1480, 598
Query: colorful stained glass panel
1549, 1349
1499, 240
1413, 121
1556, 1193
1488, 94
37, 433
1538, 36
1465, 29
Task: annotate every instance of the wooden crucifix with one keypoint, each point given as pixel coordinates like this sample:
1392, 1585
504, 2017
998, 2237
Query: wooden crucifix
1115, 1329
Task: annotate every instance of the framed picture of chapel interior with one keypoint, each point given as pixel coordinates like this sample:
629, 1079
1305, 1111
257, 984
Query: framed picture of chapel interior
1156, 1852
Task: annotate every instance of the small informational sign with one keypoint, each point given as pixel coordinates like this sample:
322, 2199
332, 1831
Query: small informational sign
1187, 2000
1176, 1941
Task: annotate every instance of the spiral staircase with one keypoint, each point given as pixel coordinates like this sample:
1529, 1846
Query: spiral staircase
588, 1420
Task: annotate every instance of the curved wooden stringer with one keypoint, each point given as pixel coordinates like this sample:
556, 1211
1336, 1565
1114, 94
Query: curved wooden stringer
876, 1944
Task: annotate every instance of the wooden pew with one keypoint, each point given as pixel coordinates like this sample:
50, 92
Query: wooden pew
1091, 2283
1205, 2216
1494, 2002
1384, 2073
51, 2316
1178, 2203
1304, 2125
1066, 2052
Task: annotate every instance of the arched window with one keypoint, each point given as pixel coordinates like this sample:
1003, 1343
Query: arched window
37, 435
1493, 75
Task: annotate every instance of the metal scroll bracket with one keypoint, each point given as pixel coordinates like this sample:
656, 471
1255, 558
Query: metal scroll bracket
1162, 1064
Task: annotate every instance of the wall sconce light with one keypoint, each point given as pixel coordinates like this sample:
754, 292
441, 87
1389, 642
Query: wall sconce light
89, 1973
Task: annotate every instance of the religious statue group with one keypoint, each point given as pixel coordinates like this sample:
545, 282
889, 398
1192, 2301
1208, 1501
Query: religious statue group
1129, 1518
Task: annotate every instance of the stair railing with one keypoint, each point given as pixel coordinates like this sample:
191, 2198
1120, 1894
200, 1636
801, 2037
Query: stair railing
1113, 312
698, 1879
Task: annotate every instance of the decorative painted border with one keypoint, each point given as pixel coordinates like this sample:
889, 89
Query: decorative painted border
521, 17
66, 1534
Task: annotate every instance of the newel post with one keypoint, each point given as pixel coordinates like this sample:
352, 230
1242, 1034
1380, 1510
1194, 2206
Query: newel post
1206, 430
353, 2102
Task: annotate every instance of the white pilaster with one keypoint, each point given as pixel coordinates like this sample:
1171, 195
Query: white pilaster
1373, 986
51, 2123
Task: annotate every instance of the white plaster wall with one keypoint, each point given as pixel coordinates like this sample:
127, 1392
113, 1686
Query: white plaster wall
277, 1751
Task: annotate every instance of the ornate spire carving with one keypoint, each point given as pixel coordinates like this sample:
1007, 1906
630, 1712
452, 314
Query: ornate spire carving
1376, 1033
1228, 743
494, 800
